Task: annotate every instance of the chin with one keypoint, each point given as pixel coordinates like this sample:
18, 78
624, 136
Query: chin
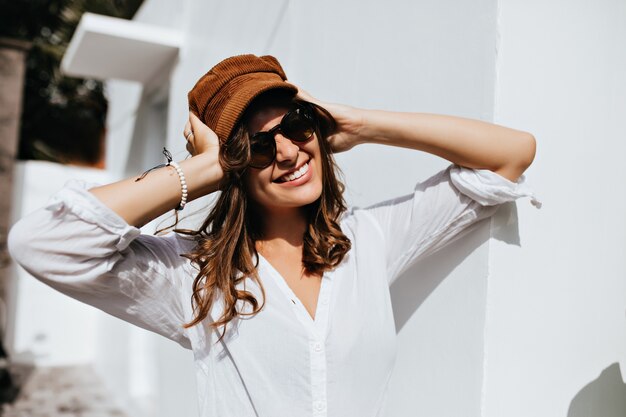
279, 201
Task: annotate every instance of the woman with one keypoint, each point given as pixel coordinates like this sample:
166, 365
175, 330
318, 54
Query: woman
282, 294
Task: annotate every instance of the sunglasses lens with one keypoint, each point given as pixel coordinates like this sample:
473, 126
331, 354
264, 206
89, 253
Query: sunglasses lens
261, 150
299, 124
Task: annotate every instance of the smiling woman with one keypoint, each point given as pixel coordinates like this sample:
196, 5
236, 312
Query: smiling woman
263, 208
282, 293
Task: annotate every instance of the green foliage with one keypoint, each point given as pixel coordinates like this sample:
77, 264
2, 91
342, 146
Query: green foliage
62, 118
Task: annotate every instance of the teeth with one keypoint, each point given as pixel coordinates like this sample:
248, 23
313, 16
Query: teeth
296, 174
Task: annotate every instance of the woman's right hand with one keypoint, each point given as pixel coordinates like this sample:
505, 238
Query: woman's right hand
204, 143
202, 139
139, 202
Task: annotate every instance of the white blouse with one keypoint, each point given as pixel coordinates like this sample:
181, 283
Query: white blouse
279, 362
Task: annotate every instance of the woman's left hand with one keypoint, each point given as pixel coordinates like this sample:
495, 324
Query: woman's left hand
349, 123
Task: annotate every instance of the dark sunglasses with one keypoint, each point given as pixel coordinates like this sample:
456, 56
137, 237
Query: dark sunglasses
298, 125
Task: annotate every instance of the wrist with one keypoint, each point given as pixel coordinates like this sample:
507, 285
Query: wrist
384, 127
203, 174
365, 126
353, 122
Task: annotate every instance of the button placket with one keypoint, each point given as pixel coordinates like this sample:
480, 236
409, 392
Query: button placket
319, 406
318, 376
317, 330
317, 351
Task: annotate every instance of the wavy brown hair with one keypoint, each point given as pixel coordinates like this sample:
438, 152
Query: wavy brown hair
226, 240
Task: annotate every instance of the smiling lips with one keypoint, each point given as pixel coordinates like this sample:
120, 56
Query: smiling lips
295, 174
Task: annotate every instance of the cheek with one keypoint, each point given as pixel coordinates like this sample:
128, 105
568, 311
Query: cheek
253, 184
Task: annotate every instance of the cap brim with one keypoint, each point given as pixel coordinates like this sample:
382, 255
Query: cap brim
239, 102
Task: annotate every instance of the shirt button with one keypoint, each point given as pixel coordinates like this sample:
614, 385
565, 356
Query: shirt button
318, 347
319, 405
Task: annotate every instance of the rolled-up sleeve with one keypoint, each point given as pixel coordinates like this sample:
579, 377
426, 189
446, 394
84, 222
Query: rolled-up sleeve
80, 247
439, 211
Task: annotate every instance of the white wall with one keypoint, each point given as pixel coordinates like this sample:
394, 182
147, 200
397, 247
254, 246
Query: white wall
557, 304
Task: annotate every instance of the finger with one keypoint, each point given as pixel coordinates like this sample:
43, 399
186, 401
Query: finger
308, 97
186, 129
196, 123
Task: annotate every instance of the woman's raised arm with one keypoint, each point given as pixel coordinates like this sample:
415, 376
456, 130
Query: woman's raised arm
466, 142
139, 202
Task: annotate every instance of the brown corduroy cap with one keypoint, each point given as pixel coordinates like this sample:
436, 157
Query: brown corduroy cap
220, 96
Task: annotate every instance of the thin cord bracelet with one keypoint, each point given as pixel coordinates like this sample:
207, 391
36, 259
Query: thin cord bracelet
179, 171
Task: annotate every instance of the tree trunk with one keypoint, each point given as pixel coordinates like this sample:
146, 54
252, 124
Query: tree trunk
12, 67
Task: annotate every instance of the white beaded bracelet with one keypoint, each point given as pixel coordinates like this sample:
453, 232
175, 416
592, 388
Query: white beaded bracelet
183, 184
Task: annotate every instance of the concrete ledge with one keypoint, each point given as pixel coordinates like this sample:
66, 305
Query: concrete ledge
106, 47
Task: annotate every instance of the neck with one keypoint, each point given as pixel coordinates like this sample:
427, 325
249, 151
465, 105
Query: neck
283, 229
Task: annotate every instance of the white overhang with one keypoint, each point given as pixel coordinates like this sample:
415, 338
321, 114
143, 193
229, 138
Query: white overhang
106, 47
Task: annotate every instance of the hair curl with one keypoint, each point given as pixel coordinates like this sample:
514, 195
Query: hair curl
226, 239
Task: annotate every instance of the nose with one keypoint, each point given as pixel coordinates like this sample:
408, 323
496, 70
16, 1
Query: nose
286, 150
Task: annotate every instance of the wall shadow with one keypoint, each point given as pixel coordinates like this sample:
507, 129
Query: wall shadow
605, 396
505, 226
414, 286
